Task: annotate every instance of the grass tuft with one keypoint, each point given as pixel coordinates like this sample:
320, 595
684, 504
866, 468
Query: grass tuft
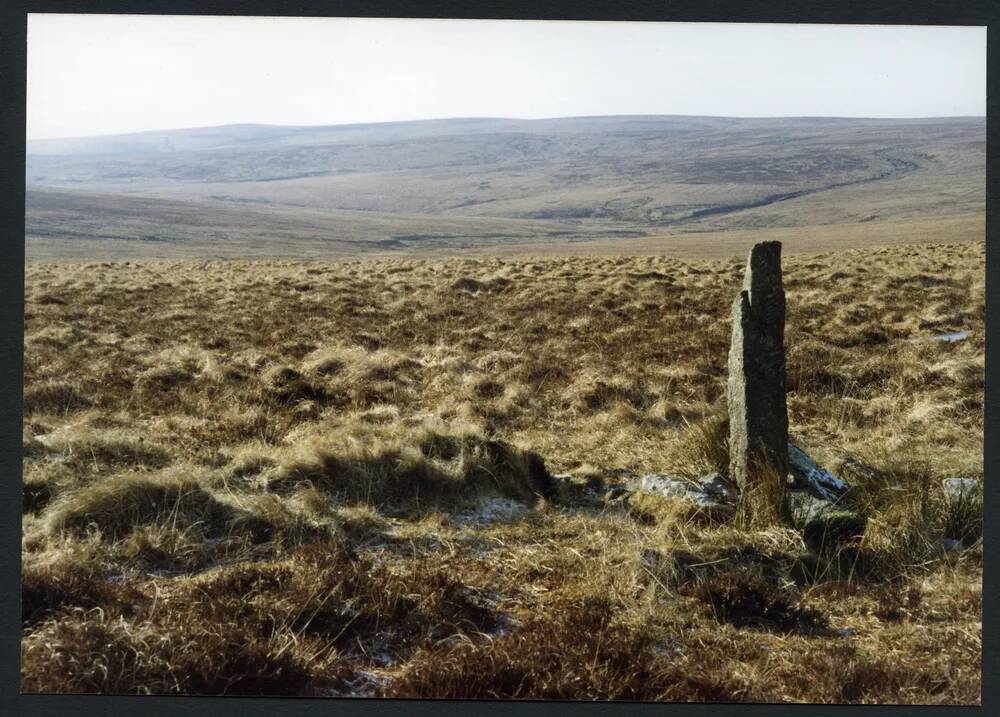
116, 505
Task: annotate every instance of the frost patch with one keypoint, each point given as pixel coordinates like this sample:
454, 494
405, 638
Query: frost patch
492, 510
364, 684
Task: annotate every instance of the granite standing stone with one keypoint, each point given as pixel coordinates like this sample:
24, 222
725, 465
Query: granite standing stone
758, 417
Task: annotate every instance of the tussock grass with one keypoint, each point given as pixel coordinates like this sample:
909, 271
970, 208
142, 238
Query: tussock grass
297, 626
100, 654
576, 648
66, 583
703, 447
54, 396
327, 478
426, 467
116, 505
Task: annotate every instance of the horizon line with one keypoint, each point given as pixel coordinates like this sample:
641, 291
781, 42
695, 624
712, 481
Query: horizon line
489, 118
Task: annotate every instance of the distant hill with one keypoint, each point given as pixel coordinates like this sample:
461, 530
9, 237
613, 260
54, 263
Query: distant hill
587, 176
252, 136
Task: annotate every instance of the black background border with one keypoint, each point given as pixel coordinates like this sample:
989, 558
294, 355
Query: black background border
13, 26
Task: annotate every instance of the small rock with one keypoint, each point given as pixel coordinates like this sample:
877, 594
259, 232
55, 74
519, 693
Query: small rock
950, 545
815, 501
961, 490
806, 473
857, 469
616, 494
715, 485
710, 501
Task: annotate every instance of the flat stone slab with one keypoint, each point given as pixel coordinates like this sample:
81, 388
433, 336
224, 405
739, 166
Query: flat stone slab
815, 498
710, 493
666, 485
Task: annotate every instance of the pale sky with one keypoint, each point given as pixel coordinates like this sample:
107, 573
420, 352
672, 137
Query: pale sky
102, 74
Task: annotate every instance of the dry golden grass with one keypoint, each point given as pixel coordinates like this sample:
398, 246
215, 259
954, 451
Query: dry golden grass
334, 478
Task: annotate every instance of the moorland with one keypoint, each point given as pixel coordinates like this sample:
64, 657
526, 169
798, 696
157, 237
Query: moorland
338, 478
350, 411
622, 183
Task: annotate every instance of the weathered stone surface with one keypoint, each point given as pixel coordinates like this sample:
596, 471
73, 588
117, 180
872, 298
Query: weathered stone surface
852, 468
962, 490
824, 524
665, 485
495, 509
816, 503
579, 491
711, 494
806, 473
719, 488
758, 415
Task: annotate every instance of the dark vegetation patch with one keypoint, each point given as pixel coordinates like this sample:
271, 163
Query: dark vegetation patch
35, 495
116, 505
90, 653
745, 599
54, 397
47, 589
601, 395
287, 385
897, 602
577, 649
299, 626
963, 519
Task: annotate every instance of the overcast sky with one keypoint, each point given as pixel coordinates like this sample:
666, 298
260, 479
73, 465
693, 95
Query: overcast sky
101, 74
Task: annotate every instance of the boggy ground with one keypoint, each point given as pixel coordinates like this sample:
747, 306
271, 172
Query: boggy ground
327, 479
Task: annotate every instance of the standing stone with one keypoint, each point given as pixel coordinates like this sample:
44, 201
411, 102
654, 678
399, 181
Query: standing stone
758, 417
